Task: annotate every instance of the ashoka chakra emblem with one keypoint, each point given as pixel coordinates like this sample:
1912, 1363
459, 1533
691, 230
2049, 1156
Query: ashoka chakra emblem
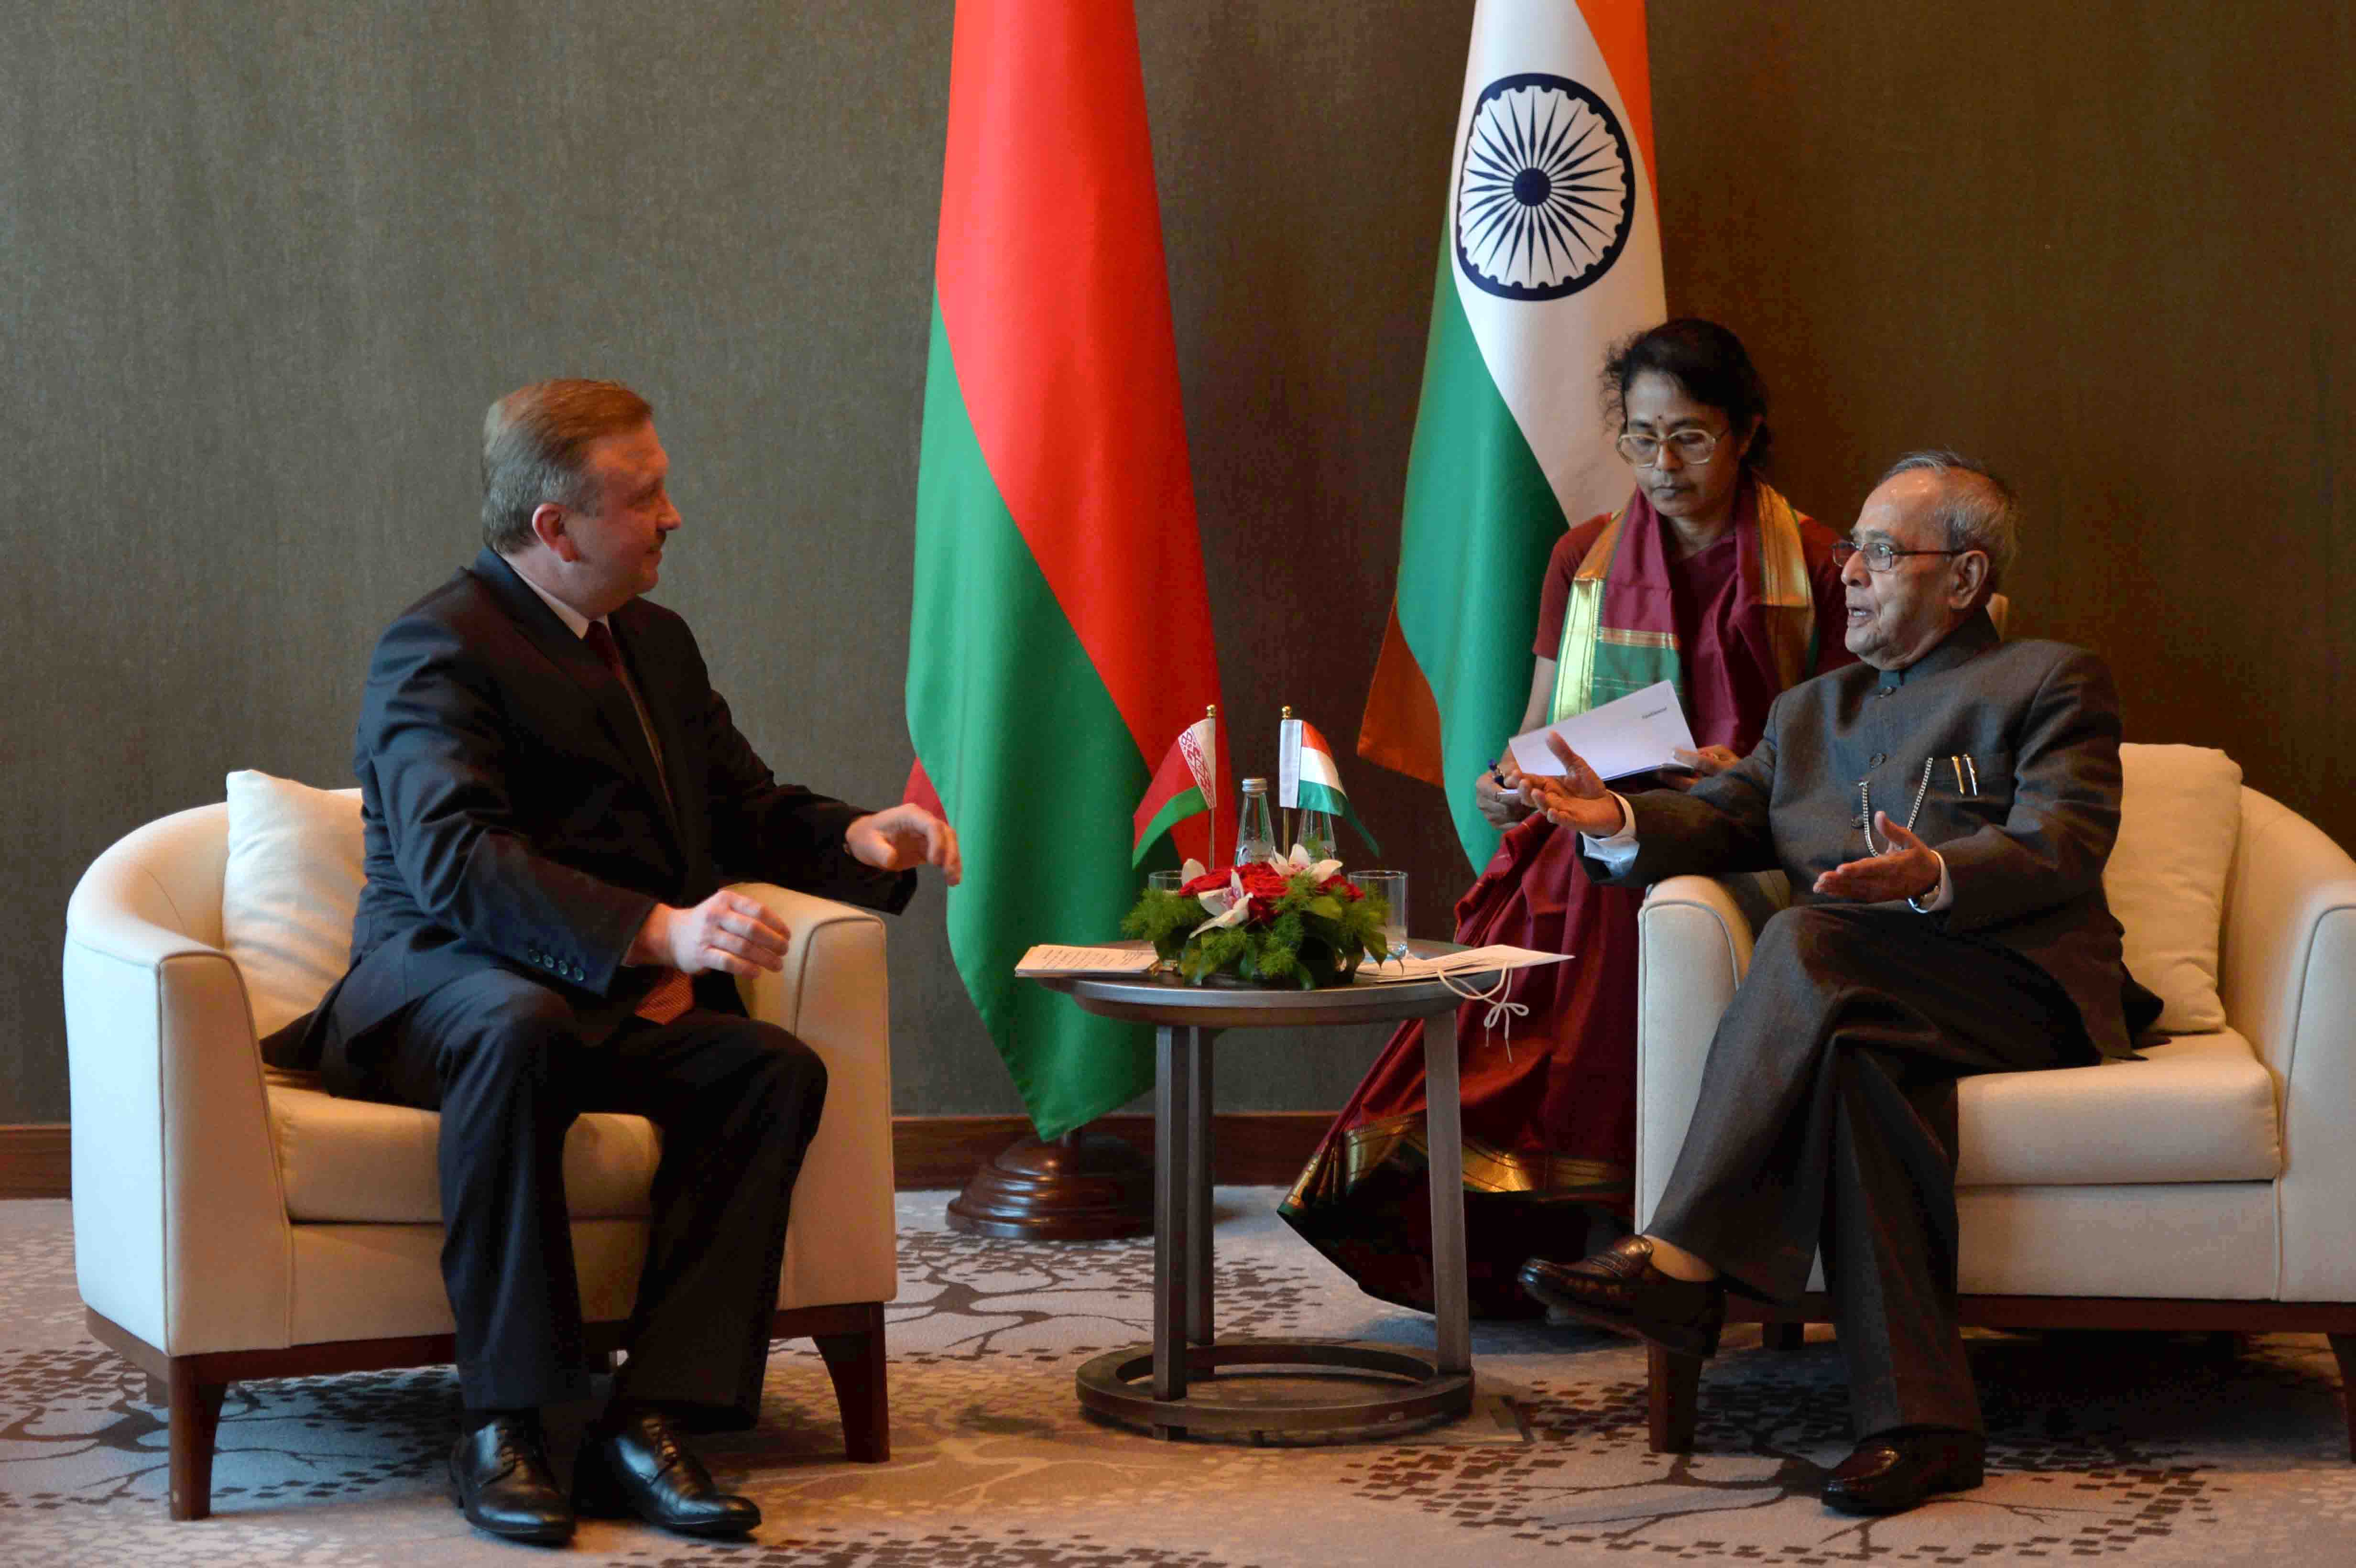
1549, 186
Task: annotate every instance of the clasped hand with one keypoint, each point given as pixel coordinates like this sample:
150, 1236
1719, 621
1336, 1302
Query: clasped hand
728, 930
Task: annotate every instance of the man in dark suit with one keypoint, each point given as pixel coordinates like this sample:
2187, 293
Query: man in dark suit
553, 796
1944, 811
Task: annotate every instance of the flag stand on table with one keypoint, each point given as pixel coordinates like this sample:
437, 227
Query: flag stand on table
1059, 627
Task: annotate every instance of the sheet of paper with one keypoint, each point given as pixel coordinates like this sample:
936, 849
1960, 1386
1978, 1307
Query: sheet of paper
1625, 736
1471, 961
1049, 958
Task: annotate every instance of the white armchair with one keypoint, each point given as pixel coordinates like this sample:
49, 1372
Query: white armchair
2209, 1187
234, 1222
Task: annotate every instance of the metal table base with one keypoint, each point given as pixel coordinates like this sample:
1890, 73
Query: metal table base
1149, 1385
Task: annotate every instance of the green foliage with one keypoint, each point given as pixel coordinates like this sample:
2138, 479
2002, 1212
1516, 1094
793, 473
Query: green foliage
1163, 919
1313, 938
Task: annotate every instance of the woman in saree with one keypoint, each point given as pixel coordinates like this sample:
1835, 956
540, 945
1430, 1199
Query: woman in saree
1706, 577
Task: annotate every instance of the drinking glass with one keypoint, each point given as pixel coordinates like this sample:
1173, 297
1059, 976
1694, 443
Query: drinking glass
1165, 881
1391, 888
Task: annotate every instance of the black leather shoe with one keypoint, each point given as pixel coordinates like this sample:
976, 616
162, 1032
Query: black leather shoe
499, 1477
1897, 1470
641, 1465
1619, 1289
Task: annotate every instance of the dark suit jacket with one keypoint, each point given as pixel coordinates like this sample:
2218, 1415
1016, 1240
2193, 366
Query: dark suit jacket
516, 819
2025, 848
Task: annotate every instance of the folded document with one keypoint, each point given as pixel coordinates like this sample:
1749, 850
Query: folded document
1049, 958
1470, 961
1635, 733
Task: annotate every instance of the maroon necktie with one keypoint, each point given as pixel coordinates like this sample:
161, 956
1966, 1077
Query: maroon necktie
673, 993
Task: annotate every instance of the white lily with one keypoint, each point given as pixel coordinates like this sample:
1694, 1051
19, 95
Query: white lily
1190, 870
1228, 906
1299, 861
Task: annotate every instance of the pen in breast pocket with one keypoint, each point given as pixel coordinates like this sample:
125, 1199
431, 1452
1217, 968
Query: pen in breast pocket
1973, 769
1957, 763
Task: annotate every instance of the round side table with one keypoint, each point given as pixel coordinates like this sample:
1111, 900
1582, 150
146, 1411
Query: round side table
1186, 1019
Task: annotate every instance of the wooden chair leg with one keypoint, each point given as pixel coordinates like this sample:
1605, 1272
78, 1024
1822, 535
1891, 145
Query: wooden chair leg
2343, 1348
1674, 1388
855, 1362
1782, 1335
193, 1410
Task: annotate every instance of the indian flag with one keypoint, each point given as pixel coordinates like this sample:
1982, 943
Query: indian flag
1306, 778
1060, 632
1550, 250
1185, 786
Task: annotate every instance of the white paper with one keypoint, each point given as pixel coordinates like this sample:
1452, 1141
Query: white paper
1628, 735
1049, 958
1471, 961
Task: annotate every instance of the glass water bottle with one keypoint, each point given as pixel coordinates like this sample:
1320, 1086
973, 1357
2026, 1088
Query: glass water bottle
1254, 828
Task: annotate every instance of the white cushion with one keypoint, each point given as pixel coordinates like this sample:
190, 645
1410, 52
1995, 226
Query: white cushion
2179, 814
2197, 1109
357, 1161
288, 892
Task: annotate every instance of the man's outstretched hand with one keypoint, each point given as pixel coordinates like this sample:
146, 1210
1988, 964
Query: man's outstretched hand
1907, 870
903, 837
1578, 799
727, 931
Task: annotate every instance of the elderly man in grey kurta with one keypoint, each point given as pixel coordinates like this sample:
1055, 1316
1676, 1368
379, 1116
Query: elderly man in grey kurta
1944, 810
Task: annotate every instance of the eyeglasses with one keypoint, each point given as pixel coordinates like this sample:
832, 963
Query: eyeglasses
1880, 555
1693, 447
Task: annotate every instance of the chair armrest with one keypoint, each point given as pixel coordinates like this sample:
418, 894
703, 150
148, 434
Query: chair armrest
180, 1231
834, 996
2286, 967
1693, 946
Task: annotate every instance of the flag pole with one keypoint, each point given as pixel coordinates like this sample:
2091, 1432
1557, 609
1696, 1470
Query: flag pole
1211, 836
1284, 813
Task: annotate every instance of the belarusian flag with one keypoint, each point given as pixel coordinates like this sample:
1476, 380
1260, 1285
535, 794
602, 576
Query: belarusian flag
1550, 250
1306, 778
1061, 631
1185, 786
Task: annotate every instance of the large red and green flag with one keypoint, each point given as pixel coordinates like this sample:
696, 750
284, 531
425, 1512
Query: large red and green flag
1061, 629
1550, 250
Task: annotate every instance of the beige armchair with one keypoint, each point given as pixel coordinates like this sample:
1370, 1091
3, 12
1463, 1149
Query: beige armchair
233, 1222
2209, 1187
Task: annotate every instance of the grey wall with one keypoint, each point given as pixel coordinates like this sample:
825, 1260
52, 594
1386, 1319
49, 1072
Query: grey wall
263, 264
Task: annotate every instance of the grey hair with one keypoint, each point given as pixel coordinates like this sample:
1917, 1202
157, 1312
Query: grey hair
1980, 513
536, 448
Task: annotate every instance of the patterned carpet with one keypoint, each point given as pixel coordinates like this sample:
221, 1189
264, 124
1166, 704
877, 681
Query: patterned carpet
2142, 1449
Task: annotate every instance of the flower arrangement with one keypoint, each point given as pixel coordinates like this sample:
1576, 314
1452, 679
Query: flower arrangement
1281, 922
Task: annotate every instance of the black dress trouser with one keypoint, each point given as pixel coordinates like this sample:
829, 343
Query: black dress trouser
501, 1057
1826, 1120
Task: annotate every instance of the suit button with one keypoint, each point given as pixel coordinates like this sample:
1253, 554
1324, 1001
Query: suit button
1878, 759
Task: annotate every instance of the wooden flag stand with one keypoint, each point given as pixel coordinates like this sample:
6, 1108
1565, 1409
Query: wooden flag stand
1086, 1186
